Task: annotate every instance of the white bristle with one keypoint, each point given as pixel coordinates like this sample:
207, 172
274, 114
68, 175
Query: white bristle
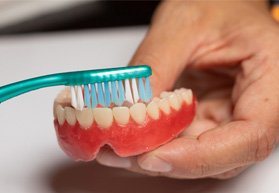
128, 92
73, 97
103, 94
80, 101
135, 90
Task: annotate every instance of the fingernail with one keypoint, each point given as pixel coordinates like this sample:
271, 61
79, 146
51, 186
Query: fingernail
155, 164
111, 160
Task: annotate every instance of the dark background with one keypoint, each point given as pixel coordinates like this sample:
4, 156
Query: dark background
97, 14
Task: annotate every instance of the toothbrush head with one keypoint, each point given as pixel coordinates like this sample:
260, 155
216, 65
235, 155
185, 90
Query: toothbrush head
111, 87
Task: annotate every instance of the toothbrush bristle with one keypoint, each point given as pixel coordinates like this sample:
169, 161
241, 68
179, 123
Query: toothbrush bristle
94, 99
111, 92
135, 90
128, 92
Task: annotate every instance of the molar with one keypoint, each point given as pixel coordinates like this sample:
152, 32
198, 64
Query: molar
165, 94
156, 99
174, 102
60, 114
187, 96
138, 112
103, 117
164, 106
85, 117
153, 110
70, 115
121, 115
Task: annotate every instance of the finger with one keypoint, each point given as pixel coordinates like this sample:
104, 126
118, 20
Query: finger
216, 151
210, 113
230, 174
198, 126
107, 157
164, 47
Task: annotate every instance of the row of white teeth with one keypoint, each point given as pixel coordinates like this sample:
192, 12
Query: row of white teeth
104, 116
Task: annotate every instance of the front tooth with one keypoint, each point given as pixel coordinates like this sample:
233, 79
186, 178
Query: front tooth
60, 114
164, 106
70, 115
85, 117
153, 110
187, 96
121, 115
138, 112
165, 94
173, 100
103, 117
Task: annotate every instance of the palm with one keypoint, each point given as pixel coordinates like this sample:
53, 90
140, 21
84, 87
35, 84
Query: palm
214, 91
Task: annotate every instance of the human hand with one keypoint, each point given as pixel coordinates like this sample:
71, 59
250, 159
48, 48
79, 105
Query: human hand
227, 52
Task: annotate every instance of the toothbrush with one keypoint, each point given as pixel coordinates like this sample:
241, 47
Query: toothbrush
92, 87
111, 107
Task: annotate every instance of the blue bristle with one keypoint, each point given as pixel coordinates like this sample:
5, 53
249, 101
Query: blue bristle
87, 96
114, 93
101, 98
148, 93
94, 96
121, 92
107, 94
141, 90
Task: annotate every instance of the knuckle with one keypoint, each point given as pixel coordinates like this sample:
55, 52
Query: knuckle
264, 144
199, 169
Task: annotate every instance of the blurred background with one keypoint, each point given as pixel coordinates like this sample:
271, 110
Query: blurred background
19, 16
39, 37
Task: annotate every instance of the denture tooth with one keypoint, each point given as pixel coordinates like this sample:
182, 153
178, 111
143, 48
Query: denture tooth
173, 100
70, 115
187, 96
138, 112
60, 114
156, 99
164, 106
182, 90
103, 117
165, 94
85, 117
54, 110
153, 110
179, 98
178, 91
121, 115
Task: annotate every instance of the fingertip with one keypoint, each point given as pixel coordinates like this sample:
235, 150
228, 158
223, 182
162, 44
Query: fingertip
153, 163
109, 158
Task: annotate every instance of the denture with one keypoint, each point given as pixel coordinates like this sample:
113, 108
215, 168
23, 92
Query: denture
129, 130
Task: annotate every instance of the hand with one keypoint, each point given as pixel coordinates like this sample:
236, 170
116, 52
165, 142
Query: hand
228, 53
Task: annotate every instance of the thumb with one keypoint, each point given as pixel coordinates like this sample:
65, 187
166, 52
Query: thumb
165, 49
216, 151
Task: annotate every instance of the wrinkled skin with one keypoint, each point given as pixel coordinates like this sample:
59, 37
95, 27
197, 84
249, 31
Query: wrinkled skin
228, 53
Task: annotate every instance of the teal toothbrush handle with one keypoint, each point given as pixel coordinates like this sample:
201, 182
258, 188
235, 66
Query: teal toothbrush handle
72, 79
18, 88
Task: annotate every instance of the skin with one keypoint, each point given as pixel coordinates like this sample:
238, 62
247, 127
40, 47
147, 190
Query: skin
227, 52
